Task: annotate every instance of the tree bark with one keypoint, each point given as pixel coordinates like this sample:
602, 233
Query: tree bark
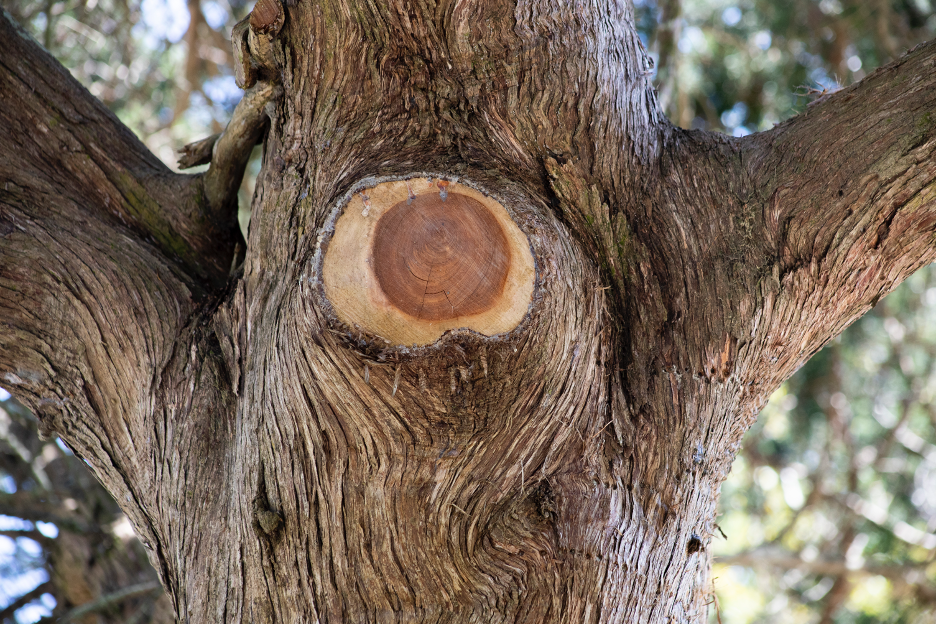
87, 562
283, 465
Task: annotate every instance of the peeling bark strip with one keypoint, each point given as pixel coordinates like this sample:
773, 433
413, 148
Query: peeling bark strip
267, 17
284, 460
411, 259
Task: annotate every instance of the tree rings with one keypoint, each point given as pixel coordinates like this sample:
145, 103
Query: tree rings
437, 260
412, 259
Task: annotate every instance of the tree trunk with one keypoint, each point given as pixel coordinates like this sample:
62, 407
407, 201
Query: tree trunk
285, 461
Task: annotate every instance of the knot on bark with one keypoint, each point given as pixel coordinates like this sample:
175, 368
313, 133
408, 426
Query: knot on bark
267, 523
268, 520
413, 258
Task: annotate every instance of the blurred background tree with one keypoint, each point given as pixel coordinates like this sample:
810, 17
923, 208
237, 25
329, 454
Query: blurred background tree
829, 514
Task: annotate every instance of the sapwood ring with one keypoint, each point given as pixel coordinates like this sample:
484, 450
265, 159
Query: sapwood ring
412, 259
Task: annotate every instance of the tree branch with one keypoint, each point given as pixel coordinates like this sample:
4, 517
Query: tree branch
844, 197
34, 535
59, 142
231, 151
228, 152
24, 600
104, 256
904, 575
197, 153
881, 518
27, 508
766, 247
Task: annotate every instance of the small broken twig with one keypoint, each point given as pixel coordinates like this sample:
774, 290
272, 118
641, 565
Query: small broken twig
197, 152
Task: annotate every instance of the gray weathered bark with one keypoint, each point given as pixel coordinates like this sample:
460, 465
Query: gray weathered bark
280, 466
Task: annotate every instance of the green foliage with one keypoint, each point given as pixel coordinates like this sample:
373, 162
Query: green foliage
743, 66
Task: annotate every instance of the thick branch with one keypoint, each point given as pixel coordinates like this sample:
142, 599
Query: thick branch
89, 303
58, 136
844, 200
103, 255
744, 256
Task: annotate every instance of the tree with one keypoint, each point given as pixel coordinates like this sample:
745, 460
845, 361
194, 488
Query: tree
91, 561
282, 464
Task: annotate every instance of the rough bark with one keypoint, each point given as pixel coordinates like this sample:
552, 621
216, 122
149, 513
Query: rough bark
87, 562
283, 466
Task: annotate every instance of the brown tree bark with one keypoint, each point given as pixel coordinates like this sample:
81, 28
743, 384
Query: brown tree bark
283, 466
90, 566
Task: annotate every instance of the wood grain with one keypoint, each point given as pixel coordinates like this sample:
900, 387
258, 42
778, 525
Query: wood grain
407, 265
441, 259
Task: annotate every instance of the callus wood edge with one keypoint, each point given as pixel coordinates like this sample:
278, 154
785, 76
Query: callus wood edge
351, 263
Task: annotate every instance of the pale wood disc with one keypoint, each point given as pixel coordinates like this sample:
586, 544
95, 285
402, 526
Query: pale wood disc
411, 259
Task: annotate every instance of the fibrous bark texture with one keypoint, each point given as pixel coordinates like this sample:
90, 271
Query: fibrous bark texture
283, 463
